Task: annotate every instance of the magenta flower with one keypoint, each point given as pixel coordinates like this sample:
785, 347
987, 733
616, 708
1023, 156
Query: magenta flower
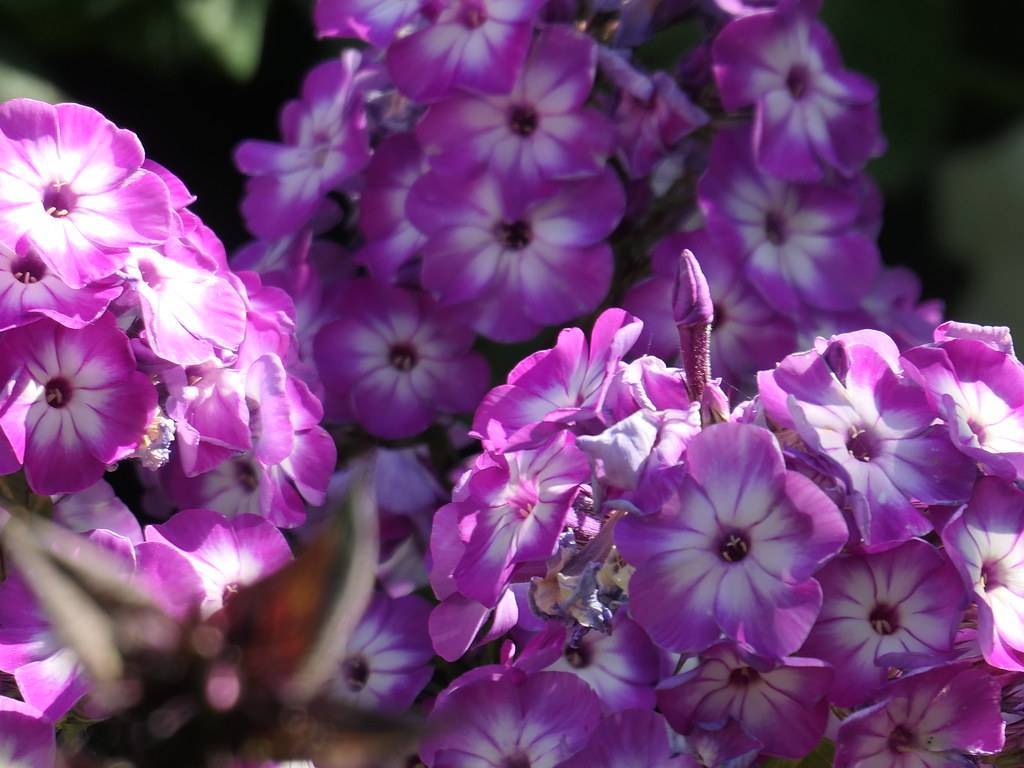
849, 403
904, 602
474, 45
515, 511
72, 184
26, 739
792, 239
387, 660
516, 720
932, 719
633, 738
325, 143
810, 114
540, 131
30, 290
225, 554
392, 358
979, 392
985, 541
622, 667
760, 695
733, 550
375, 21
524, 261
74, 402
565, 384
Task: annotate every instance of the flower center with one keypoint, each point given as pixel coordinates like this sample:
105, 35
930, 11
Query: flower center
28, 269
229, 592
518, 760
514, 235
734, 548
57, 392
991, 577
797, 81
523, 120
577, 657
356, 672
884, 619
902, 739
59, 200
860, 445
403, 357
472, 15
775, 228
744, 676
247, 475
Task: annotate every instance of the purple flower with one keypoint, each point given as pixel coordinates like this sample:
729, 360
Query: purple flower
26, 739
391, 360
849, 403
387, 660
793, 240
733, 550
225, 554
375, 21
540, 131
631, 739
567, 383
760, 695
525, 261
30, 290
985, 541
73, 186
517, 720
904, 602
325, 143
622, 667
73, 403
810, 114
979, 392
931, 719
475, 45
514, 511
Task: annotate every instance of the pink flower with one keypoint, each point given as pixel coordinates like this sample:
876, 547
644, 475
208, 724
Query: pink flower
325, 143
540, 131
26, 739
523, 261
375, 21
72, 184
475, 45
74, 402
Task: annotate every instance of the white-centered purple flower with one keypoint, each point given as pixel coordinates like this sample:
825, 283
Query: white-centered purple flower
325, 142
514, 721
906, 602
793, 240
225, 553
26, 739
524, 260
73, 401
761, 695
387, 659
985, 540
392, 358
634, 738
73, 186
979, 392
473, 45
375, 21
30, 290
733, 551
810, 114
850, 403
540, 131
931, 719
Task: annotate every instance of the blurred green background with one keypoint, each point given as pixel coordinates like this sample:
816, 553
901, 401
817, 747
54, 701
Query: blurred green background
194, 77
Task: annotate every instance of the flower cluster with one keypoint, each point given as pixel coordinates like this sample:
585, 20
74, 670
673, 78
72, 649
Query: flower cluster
678, 541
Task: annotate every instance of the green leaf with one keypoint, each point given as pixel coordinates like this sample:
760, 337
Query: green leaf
821, 757
231, 29
18, 83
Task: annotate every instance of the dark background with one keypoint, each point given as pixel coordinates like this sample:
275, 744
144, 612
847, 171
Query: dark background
194, 77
